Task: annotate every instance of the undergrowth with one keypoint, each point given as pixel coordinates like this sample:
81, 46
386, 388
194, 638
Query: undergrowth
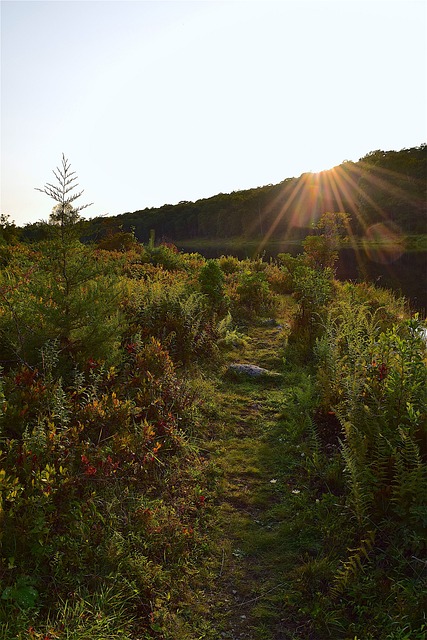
144, 495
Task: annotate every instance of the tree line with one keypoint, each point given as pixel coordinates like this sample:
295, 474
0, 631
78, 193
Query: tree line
380, 186
383, 186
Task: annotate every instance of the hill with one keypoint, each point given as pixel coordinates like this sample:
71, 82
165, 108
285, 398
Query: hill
382, 186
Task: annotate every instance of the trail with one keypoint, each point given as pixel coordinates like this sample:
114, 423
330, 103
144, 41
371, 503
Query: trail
254, 543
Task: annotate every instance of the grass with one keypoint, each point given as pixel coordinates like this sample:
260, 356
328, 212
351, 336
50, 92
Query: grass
257, 535
281, 528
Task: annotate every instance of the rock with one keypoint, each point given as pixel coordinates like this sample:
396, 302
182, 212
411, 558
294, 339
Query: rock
250, 371
269, 322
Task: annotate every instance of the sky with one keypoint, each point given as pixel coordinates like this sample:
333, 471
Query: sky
156, 102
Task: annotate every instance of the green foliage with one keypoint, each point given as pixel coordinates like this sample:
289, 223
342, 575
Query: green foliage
229, 264
89, 483
211, 280
9, 234
61, 290
119, 241
321, 250
166, 256
253, 213
104, 498
254, 292
354, 564
313, 291
22, 594
228, 335
312, 287
180, 319
374, 381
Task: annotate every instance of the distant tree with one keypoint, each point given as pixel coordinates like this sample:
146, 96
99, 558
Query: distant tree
9, 232
321, 249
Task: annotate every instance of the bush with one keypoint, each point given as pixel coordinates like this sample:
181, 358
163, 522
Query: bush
96, 490
180, 320
254, 294
65, 293
229, 264
211, 280
279, 281
166, 256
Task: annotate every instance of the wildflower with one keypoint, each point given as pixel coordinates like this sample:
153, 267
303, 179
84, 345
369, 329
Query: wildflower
187, 531
90, 470
92, 364
382, 371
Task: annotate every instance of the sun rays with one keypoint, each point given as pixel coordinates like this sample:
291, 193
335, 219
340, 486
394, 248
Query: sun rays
352, 188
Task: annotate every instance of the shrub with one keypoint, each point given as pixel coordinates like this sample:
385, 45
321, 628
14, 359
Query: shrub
166, 256
279, 281
95, 488
119, 241
180, 320
211, 280
254, 294
229, 264
59, 293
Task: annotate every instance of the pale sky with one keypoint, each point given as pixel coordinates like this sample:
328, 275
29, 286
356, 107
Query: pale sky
158, 102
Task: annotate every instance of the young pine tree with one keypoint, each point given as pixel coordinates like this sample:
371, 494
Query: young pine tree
75, 295
59, 289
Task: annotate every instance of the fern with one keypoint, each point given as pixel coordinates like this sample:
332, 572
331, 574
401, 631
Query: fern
360, 480
315, 439
409, 486
354, 565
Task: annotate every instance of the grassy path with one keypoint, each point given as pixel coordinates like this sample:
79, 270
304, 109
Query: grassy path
259, 531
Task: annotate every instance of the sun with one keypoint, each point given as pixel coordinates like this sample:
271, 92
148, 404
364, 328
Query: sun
343, 188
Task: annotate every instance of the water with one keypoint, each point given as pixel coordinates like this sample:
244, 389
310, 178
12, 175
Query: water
406, 274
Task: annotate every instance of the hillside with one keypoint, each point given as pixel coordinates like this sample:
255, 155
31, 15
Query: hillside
382, 186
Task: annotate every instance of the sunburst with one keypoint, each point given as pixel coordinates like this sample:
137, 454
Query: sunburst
347, 188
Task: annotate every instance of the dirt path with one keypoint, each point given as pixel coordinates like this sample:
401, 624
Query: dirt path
254, 559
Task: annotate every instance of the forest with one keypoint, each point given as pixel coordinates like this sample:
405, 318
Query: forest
152, 489
382, 187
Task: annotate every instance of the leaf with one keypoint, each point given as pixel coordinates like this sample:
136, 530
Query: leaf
7, 594
25, 597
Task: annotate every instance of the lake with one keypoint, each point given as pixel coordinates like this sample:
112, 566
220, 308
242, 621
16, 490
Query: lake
405, 274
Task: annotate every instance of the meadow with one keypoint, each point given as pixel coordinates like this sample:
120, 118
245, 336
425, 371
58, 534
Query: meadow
148, 493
